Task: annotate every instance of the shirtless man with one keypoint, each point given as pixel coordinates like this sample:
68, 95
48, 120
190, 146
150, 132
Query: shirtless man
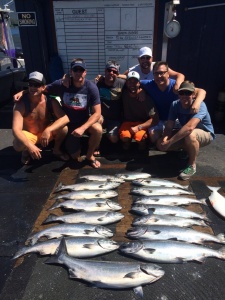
32, 125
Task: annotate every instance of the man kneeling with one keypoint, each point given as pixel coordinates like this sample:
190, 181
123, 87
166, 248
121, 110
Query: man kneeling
32, 124
196, 131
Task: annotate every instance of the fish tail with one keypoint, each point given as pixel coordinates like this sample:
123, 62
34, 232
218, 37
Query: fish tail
58, 187
221, 237
55, 205
222, 252
213, 188
50, 218
59, 253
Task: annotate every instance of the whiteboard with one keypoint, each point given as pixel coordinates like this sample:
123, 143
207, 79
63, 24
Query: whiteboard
101, 30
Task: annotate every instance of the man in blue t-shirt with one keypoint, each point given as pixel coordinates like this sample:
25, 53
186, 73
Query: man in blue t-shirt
81, 97
163, 93
196, 131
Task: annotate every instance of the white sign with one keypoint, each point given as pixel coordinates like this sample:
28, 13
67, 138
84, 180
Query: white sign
100, 30
27, 19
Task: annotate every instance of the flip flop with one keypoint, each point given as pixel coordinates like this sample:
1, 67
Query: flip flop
93, 163
97, 153
62, 156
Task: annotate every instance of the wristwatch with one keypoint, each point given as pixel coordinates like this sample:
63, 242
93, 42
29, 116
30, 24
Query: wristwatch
139, 127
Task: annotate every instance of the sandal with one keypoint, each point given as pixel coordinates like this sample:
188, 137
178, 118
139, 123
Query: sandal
93, 163
97, 153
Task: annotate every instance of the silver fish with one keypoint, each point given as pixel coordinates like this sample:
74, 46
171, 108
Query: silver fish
88, 195
146, 209
89, 205
170, 251
95, 218
158, 182
217, 200
88, 186
167, 220
160, 232
156, 191
127, 176
71, 230
102, 178
108, 274
169, 200
80, 247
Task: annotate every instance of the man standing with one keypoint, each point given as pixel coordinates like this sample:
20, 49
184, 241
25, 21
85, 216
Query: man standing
32, 125
163, 93
196, 131
139, 115
146, 64
78, 100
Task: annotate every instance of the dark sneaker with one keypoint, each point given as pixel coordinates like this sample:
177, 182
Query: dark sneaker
187, 173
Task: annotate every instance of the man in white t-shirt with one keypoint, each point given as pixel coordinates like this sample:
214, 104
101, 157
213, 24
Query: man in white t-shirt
145, 68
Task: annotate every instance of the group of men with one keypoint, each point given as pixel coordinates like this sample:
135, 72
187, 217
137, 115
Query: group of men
143, 104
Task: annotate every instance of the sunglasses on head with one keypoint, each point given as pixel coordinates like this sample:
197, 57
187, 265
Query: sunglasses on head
147, 57
34, 84
75, 70
114, 71
185, 93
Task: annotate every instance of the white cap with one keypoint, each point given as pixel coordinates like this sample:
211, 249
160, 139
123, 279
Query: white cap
37, 76
145, 51
133, 74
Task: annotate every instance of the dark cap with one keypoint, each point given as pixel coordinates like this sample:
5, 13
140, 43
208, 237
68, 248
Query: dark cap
186, 86
78, 63
37, 77
112, 64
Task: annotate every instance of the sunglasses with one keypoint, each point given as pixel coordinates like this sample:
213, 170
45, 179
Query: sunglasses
145, 57
75, 70
114, 71
162, 73
185, 93
33, 84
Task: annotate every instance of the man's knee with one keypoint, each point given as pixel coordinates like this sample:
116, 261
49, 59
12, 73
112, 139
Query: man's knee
95, 129
113, 138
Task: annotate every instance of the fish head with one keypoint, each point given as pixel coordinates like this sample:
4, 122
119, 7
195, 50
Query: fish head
113, 205
131, 247
110, 193
153, 270
136, 231
108, 244
141, 220
114, 215
104, 231
140, 208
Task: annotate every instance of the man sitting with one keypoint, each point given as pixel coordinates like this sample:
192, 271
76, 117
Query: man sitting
139, 113
32, 124
196, 131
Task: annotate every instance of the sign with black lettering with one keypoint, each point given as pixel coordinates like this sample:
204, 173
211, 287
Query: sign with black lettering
27, 19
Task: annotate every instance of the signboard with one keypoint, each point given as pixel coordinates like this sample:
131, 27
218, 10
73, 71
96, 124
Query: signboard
27, 19
100, 30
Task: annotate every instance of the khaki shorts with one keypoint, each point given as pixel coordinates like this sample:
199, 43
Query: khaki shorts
203, 137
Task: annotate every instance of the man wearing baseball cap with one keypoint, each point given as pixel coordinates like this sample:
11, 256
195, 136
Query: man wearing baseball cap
145, 67
32, 126
139, 113
196, 131
81, 97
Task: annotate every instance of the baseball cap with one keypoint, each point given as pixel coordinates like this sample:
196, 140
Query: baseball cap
37, 77
112, 64
133, 74
187, 86
145, 51
79, 62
